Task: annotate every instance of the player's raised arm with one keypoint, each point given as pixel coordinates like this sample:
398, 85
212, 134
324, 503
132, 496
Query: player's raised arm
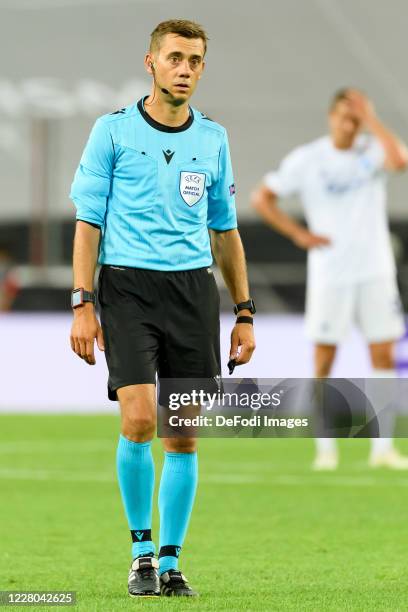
395, 151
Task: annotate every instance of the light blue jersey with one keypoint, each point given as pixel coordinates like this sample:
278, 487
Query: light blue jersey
155, 190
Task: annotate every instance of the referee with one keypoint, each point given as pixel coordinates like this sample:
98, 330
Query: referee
153, 185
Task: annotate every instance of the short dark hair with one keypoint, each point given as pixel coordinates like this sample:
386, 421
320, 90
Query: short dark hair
339, 96
182, 27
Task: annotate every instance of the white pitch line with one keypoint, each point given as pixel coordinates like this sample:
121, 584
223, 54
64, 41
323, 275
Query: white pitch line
63, 476
312, 480
60, 446
232, 479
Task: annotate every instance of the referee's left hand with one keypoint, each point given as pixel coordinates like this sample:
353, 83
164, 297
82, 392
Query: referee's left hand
242, 337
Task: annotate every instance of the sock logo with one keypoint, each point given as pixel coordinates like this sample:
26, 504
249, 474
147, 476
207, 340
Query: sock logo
141, 535
169, 551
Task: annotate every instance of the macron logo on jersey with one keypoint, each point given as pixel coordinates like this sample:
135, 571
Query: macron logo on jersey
192, 186
168, 155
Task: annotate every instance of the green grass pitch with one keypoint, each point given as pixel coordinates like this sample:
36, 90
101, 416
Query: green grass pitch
266, 532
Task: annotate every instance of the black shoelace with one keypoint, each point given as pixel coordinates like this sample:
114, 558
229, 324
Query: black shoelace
147, 573
177, 577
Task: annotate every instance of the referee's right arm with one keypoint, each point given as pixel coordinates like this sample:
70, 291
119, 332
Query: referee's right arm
89, 192
85, 327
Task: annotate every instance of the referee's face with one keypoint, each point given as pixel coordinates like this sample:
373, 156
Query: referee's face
178, 65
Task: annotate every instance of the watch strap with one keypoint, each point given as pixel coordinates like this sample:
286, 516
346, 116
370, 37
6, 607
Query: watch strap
248, 305
79, 296
88, 296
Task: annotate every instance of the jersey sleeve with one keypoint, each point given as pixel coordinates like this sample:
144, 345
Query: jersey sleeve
92, 181
222, 215
287, 180
374, 155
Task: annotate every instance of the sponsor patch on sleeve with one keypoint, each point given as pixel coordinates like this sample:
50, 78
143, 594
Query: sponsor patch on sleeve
232, 189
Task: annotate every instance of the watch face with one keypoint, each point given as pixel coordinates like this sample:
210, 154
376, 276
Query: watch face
76, 298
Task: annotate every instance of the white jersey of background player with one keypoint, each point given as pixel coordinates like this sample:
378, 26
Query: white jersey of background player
351, 276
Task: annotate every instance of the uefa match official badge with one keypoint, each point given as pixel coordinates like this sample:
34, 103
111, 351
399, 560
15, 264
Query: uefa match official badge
192, 185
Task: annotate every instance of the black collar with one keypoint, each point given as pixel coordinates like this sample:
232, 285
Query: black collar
161, 126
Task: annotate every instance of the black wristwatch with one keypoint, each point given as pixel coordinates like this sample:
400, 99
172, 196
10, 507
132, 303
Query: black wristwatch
80, 296
249, 305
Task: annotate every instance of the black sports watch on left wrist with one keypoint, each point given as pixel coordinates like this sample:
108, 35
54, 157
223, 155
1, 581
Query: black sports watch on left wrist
248, 305
80, 296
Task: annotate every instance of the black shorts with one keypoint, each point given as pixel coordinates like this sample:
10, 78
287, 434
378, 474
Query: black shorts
159, 322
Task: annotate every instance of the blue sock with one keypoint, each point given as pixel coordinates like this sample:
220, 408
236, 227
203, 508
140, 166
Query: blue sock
136, 481
176, 497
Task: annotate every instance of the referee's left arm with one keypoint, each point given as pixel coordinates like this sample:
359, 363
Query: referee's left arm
230, 257
89, 192
229, 252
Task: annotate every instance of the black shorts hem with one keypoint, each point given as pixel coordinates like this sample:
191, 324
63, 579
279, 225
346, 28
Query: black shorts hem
112, 391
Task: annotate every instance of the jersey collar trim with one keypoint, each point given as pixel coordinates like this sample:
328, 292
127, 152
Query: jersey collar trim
160, 126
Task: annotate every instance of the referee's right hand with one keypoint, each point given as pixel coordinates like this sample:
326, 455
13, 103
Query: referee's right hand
85, 328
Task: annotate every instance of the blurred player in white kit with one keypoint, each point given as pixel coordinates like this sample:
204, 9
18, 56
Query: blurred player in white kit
351, 274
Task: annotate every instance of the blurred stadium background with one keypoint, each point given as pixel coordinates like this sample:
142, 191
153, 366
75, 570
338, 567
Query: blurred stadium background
271, 69
323, 542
